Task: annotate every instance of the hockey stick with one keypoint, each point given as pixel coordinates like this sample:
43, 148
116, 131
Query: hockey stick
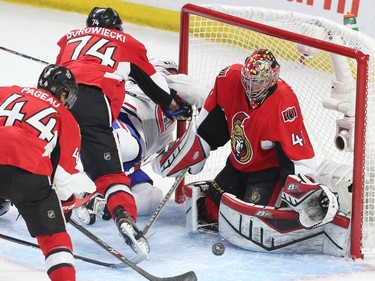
81, 201
22, 55
163, 202
188, 276
36, 246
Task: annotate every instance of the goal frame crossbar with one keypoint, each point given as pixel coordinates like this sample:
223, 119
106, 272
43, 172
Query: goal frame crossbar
361, 86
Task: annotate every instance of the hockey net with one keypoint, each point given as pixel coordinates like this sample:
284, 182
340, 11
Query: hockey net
331, 69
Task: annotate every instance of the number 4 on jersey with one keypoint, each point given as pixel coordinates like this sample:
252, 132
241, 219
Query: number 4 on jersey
296, 139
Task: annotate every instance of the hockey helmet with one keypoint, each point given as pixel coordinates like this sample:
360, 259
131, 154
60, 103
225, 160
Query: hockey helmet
165, 65
58, 79
104, 17
259, 73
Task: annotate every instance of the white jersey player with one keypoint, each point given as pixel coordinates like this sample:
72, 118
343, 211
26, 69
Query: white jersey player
144, 128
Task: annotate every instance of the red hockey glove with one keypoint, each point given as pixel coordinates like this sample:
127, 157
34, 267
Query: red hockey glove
67, 206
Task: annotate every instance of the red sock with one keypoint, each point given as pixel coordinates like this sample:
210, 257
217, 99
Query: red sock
57, 249
122, 199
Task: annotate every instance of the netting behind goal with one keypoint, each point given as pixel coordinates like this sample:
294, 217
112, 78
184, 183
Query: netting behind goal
329, 66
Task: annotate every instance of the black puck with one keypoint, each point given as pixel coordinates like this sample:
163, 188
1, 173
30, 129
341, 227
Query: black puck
218, 249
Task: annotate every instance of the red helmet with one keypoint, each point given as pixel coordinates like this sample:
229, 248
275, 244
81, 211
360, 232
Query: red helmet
259, 73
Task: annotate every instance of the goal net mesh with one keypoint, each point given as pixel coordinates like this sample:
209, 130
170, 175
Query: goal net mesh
213, 45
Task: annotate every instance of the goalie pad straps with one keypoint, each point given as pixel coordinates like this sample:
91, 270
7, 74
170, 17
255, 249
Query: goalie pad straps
304, 196
188, 151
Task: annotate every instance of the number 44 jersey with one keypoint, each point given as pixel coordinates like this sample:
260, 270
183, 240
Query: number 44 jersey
40, 135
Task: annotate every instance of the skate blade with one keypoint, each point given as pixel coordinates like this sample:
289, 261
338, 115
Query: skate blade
128, 229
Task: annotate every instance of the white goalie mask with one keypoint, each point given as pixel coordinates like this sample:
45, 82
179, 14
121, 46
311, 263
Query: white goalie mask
259, 73
165, 65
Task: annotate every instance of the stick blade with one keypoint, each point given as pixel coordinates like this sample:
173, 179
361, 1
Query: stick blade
188, 276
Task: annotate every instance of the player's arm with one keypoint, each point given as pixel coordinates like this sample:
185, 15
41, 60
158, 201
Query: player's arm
188, 88
193, 148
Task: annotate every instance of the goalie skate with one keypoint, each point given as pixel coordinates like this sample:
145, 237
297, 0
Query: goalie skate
132, 235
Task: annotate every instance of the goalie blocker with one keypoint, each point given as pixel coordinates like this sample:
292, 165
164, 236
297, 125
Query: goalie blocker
190, 151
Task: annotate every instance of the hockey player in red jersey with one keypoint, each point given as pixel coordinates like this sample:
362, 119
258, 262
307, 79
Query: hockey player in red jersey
271, 154
40, 162
143, 129
103, 57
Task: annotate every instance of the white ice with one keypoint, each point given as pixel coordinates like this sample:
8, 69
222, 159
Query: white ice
174, 251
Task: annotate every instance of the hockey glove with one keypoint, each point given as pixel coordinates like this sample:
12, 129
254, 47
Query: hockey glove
184, 112
67, 206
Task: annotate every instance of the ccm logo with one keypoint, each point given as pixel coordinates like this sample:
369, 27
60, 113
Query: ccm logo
340, 5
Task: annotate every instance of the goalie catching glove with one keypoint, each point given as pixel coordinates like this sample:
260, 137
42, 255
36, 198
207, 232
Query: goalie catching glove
184, 112
315, 203
190, 151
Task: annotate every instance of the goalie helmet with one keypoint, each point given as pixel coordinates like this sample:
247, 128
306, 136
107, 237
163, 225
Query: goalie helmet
4, 206
165, 65
104, 17
258, 74
57, 80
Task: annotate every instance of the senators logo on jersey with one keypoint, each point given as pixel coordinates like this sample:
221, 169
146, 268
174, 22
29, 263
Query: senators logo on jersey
241, 147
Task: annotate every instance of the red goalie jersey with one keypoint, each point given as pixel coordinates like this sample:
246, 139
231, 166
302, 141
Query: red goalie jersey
260, 138
39, 134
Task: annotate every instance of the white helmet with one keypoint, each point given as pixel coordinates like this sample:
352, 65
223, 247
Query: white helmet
165, 65
259, 73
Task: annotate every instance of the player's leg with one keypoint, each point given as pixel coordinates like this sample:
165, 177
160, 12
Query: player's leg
40, 207
102, 160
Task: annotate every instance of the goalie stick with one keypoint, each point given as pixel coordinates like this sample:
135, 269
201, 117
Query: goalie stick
163, 202
85, 259
188, 276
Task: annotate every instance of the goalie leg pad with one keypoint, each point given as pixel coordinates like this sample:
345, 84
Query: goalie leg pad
277, 230
189, 151
201, 211
305, 197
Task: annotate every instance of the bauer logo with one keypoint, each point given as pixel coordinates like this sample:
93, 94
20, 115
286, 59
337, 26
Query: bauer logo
289, 114
264, 214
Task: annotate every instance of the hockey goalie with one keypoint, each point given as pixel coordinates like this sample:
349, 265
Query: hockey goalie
268, 196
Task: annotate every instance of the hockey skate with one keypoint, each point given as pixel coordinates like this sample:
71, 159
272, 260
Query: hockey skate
132, 235
88, 211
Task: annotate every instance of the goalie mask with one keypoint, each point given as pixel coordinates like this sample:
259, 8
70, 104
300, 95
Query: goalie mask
58, 80
258, 74
104, 17
165, 65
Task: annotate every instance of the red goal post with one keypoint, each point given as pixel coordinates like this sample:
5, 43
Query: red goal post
330, 67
